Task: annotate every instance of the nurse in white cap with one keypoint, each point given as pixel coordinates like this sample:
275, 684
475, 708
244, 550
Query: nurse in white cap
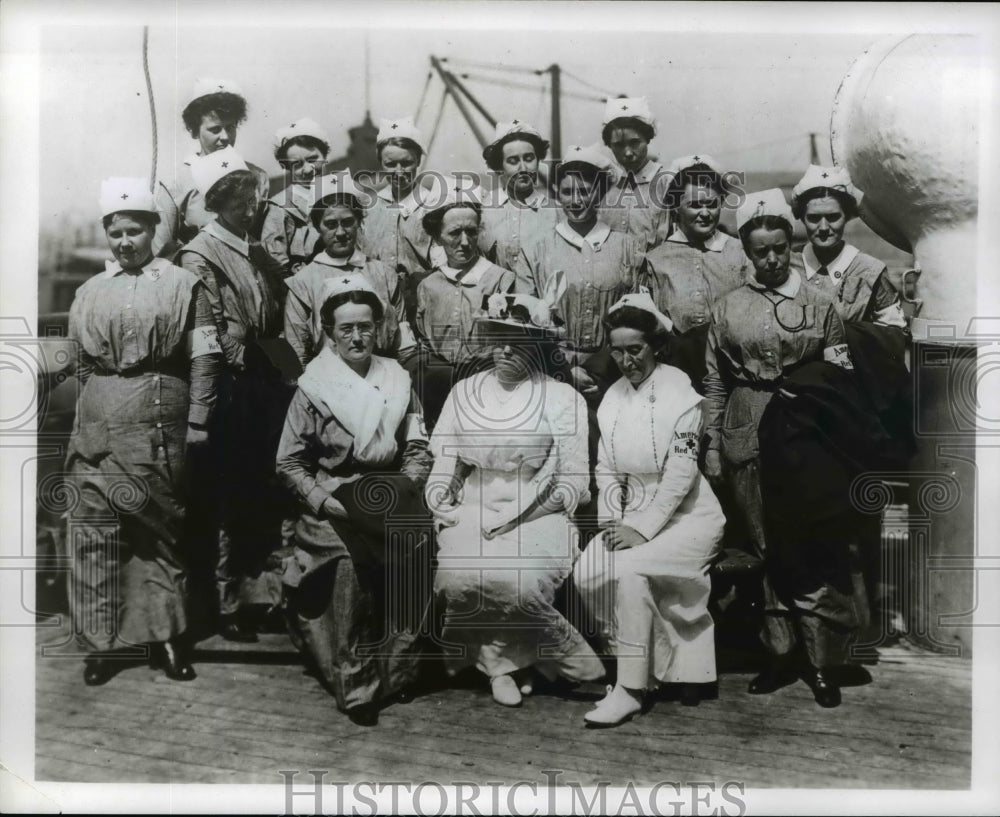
287, 234
698, 263
518, 213
357, 594
393, 232
759, 334
582, 266
336, 216
449, 296
148, 360
825, 200
636, 203
212, 117
645, 576
244, 288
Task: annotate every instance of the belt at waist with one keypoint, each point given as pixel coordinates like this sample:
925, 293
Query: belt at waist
179, 370
759, 385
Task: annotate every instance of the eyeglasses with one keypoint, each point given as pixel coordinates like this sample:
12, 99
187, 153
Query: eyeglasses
619, 353
347, 330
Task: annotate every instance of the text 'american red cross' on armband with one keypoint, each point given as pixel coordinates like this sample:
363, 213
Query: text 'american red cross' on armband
685, 444
838, 355
203, 340
415, 428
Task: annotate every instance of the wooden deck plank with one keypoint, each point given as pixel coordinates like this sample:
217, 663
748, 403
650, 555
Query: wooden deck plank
710, 732
253, 712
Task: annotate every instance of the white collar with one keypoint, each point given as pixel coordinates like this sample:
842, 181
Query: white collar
644, 175
469, 278
363, 405
836, 268
357, 259
407, 206
241, 245
716, 243
789, 289
153, 268
534, 201
295, 195
595, 238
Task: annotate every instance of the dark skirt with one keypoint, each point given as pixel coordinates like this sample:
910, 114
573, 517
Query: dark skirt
124, 514
358, 592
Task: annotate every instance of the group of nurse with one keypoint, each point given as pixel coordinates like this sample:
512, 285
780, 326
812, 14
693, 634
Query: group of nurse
419, 413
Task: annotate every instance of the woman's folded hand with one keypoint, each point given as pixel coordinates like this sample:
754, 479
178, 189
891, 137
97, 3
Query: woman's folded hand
333, 509
618, 536
713, 466
445, 517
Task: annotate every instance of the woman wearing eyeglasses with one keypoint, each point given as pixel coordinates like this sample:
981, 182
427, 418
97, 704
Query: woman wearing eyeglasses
288, 234
354, 453
759, 335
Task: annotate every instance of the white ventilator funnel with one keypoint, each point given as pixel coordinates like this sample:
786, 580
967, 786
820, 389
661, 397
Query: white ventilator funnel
905, 124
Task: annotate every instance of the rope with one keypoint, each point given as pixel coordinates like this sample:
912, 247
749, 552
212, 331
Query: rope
423, 96
152, 104
437, 122
590, 85
517, 69
508, 84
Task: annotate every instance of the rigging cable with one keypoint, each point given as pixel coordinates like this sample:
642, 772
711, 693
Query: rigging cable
508, 84
437, 122
152, 104
519, 69
423, 97
590, 85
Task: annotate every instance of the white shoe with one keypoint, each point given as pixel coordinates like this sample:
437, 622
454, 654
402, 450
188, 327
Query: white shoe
527, 682
614, 709
505, 691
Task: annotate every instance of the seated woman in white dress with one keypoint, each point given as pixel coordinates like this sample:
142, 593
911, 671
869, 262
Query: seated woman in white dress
645, 577
510, 468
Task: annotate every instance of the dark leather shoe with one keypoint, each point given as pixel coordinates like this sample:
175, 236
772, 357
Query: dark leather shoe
825, 691
364, 715
770, 680
97, 671
690, 695
232, 629
405, 695
171, 658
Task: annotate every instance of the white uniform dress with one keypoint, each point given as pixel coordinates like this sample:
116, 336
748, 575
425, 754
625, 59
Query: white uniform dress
508, 448
651, 601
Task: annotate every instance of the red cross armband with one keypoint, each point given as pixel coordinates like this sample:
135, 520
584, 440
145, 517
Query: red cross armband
203, 340
685, 444
838, 355
415, 428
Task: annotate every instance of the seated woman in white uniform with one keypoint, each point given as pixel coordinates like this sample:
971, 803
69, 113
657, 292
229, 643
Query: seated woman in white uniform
645, 578
510, 468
